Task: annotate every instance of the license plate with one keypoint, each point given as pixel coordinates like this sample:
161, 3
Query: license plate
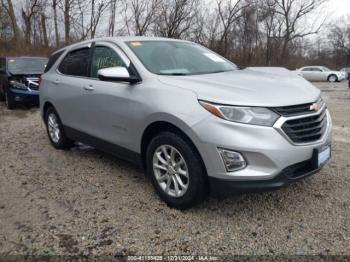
324, 155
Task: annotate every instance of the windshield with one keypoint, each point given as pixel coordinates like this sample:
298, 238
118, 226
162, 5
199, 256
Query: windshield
326, 69
26, 65
179, 58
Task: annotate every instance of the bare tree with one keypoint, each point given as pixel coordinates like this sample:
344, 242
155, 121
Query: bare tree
339, 37
175, 18
143, 14
228, 14
55, 22
97, 9
15, 28
44, 29
5, 26
32, 7
111, 24
293, 13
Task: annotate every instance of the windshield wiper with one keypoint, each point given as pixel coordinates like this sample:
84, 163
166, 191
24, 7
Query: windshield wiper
175, 74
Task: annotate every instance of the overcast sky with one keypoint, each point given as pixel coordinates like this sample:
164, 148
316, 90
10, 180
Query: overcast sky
339, 7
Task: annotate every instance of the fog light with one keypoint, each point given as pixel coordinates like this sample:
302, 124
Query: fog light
233, 161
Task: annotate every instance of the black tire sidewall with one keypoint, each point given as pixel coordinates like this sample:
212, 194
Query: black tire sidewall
197, 189
10, 103
63, 142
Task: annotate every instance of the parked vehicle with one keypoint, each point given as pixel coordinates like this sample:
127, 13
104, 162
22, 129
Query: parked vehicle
192, 119
19, 79
321, 73
347, 72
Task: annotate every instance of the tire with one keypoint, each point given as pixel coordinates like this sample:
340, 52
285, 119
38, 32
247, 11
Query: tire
332, 78
55, 130
195, 184
9, 101
2, 96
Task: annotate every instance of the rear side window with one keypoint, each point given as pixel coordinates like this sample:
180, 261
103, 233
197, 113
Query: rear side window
52, 60
76, 63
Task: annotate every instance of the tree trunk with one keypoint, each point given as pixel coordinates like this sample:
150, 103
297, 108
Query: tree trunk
66, 21
112, 18
27, 28
44, 30
57, 36
15, 28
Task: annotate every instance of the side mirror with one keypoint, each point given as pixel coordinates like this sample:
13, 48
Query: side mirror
117, 74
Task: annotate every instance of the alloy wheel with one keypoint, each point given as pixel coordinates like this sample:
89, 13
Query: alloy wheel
53, 126
170, 170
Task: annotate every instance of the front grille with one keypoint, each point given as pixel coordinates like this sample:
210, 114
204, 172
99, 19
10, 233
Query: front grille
294, 110
307, 129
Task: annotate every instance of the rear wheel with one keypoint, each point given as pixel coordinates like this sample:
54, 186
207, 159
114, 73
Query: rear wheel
55, 130
176, 171
333, 78
9, 100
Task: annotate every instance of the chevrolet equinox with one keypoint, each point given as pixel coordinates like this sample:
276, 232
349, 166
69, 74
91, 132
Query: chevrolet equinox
196, 122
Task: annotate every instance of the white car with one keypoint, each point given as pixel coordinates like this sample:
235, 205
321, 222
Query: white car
321, 73
346, 70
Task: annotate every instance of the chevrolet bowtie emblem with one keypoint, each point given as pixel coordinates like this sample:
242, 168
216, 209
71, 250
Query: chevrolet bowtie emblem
315, 107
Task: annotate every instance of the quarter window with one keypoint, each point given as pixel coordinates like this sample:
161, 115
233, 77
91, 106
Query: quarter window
52, 60
76, 63
104, 57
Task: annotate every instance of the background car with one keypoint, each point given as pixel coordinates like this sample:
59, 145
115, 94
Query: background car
321, 73
19, 79
347, 72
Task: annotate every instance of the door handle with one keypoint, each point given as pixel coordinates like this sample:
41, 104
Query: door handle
89, 88
56, 82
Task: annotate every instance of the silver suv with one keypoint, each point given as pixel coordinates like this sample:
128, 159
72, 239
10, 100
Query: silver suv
196, 122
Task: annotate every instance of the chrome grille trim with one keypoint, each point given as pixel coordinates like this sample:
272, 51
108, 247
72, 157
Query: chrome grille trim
322, 114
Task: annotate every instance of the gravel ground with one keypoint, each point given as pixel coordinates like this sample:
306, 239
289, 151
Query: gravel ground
83, 201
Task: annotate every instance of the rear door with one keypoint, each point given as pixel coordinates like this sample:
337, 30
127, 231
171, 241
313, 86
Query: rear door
307, 73
67, 87
319, 75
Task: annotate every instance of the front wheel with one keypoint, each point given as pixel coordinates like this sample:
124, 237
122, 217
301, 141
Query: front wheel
176, 171
55, 130
9, 100
333, 78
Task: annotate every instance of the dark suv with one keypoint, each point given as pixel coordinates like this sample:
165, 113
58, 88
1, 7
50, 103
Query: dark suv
19, 79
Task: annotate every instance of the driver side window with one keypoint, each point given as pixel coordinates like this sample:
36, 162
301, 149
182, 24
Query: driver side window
104, 57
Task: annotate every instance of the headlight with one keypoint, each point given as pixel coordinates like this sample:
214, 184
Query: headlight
18, 84
246, 115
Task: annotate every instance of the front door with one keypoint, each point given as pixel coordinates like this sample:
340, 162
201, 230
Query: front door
111, 106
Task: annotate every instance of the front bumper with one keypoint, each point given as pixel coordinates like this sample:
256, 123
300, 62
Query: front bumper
267, 151
25, 96
221, 187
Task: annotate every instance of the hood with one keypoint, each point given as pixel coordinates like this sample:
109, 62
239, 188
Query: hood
26, 73
249, 87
